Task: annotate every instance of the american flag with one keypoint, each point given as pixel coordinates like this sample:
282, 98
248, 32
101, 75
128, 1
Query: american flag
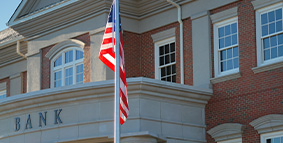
107, 56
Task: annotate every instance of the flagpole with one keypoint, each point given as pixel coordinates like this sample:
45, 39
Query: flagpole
117, 75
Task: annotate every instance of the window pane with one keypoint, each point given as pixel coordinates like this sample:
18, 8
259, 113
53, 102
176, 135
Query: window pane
271, 16
273, 41
234, 28
235, 52
173, 69
236, 63
58, 79
279, 26
221, 32
268, 141
79, 55
280, 39
69, 56
278, 14
164, 79
228, 41
271, 28
172, 47
229, 53
264, 30
267, 54
161, 61
223, 66
227, 30
173, 57
79, 73
168, 78
277, 140
280, 51
161, 50
167, 59
168, 70
221, 43
174, 78
163, 72
166, 49
266, 43
273, 53
58, 62
229, 64
264, 18
234, 39
223, 55
69, 76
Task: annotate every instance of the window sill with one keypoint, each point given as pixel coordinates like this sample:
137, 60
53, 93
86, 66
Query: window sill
268, 67
225, 78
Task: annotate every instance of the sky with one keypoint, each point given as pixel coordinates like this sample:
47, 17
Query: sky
7, 8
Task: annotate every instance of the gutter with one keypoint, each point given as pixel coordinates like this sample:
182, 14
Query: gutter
181, 38
18, 50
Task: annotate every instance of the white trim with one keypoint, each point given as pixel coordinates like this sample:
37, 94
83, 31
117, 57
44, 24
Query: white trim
217, 71
62, 67
239, 140
259, 41
156, 54
263, 137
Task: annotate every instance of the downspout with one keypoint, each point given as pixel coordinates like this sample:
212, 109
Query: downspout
18, 50
181, 39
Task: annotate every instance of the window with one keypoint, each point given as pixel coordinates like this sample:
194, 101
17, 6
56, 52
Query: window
269, 35
67, 68
165, 61
275, 137
3, 91
239, 140
226, 50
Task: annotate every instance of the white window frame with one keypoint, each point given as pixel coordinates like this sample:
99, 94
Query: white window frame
238, 140
156, 51
62, 67
3, 90
217, 66
259, 41
265, 136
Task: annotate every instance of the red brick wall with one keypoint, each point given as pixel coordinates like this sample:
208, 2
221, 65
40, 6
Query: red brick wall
7, 80
45, 66
24, 82
252, 96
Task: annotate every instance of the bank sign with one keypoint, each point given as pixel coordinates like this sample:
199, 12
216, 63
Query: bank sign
27, 124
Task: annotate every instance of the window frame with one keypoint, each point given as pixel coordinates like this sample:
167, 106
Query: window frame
259, 37
217, 66
265, 136
64, 66
238, 140
157, 62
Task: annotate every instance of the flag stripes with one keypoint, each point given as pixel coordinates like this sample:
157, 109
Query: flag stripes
107, 56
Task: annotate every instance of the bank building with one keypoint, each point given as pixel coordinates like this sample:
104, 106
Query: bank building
198, 71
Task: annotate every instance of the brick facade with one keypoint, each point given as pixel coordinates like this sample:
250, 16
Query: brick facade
24, 82
252, 95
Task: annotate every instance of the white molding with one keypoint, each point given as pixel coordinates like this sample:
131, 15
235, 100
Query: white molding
268, 123
17, 75
156, 54
3, 86
238, 140
224, 15
225, 78
226, 131
199, 15
258, 4
267, 67
65, 44
163, 35
217, 71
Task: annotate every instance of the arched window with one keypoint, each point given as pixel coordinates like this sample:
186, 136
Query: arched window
67, 67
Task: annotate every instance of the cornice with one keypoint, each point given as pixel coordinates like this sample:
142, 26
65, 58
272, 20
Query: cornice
268, 123
104, 89
226, 131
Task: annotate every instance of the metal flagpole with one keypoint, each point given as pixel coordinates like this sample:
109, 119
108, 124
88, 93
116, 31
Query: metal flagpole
117, 75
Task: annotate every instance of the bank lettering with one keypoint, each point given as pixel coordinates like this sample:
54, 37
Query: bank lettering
42, 120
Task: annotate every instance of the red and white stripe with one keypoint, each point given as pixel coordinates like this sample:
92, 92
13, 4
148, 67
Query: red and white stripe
107, 56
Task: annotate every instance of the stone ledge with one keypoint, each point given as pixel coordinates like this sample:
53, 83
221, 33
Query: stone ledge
268, 123
263, 3
226, 131
225, 78
232, 12
267, 67
163, 35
